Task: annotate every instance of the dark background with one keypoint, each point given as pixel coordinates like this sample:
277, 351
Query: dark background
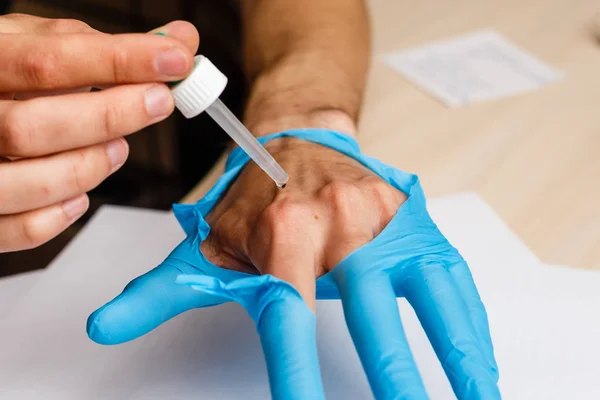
169, 158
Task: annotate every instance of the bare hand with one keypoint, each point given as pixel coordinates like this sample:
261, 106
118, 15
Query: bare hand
332, 206
57, 140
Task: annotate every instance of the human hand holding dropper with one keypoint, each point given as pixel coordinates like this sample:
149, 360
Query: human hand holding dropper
58, 140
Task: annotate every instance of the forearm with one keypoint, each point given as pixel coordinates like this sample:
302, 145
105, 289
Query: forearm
306, 62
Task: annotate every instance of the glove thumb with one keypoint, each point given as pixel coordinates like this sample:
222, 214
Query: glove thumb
147, 302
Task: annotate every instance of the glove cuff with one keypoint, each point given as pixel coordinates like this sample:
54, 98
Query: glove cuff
336, 140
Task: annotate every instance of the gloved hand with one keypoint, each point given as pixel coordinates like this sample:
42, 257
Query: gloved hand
357, 226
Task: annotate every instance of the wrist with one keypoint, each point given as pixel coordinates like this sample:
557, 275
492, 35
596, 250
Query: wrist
291, 141
329, 119
292, 95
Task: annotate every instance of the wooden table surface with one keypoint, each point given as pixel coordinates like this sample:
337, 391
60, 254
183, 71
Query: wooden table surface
534, 158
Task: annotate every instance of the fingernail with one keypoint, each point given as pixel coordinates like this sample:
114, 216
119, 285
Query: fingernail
116, 150
76, 207
159, 101
172, 63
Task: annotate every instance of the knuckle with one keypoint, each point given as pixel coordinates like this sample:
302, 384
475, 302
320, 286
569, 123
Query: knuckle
79, 176
385, 196
14, 132
65, 25
33, 233
284, 216
41, 69
375, 184
11, 23
19, 17
15, 16
344, 197
75, 174
113, 116
119, 64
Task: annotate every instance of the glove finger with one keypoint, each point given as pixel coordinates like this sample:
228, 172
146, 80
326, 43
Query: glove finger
463, 280
430, 290
287, 329
287, 325
145, 303
373, 319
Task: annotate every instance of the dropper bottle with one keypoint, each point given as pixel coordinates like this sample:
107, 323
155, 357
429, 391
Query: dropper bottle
200, 92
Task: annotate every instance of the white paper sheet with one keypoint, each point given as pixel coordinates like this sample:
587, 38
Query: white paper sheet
543, 323
15, 287
545, 334
474, 67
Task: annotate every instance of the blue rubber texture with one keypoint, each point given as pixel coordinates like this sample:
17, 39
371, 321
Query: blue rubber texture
409, 258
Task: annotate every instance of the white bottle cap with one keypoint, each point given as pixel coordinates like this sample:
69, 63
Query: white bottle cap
200, 89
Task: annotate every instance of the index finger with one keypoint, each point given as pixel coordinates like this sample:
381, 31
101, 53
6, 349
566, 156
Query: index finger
287, 329
285, 324
33, 62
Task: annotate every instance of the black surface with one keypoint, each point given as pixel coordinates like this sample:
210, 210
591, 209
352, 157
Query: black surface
4, 6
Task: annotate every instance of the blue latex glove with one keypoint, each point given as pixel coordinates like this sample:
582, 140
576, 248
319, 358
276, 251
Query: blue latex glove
409, 258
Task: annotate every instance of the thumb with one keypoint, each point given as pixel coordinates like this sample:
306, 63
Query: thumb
145, 303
